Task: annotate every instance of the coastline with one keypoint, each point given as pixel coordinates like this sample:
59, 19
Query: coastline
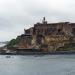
42, 53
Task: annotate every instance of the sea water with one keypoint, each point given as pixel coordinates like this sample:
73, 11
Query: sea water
37, 65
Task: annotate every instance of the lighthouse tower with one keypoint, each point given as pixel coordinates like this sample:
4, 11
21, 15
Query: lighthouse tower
44, 21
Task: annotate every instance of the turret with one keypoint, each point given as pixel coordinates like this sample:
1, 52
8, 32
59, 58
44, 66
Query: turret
44, 21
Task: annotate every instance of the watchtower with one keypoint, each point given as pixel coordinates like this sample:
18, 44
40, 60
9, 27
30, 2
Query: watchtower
44, 21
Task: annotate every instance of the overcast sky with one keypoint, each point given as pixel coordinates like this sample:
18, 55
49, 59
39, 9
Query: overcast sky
15, 15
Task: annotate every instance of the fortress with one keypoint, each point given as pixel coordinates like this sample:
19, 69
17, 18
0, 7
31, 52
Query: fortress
44, 28
47, 36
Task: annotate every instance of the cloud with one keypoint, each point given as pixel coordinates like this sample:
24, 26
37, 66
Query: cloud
15, 15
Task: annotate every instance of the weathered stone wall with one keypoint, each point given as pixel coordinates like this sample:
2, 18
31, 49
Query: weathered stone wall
50, 35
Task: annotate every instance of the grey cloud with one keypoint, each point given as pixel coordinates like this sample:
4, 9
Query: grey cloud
15, 15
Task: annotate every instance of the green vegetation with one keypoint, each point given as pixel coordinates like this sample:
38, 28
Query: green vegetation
67, 47
12, 43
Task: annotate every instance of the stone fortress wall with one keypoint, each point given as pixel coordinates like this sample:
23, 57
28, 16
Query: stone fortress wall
49, 36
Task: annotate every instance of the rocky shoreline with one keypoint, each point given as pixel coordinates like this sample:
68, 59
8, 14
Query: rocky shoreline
38, 53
